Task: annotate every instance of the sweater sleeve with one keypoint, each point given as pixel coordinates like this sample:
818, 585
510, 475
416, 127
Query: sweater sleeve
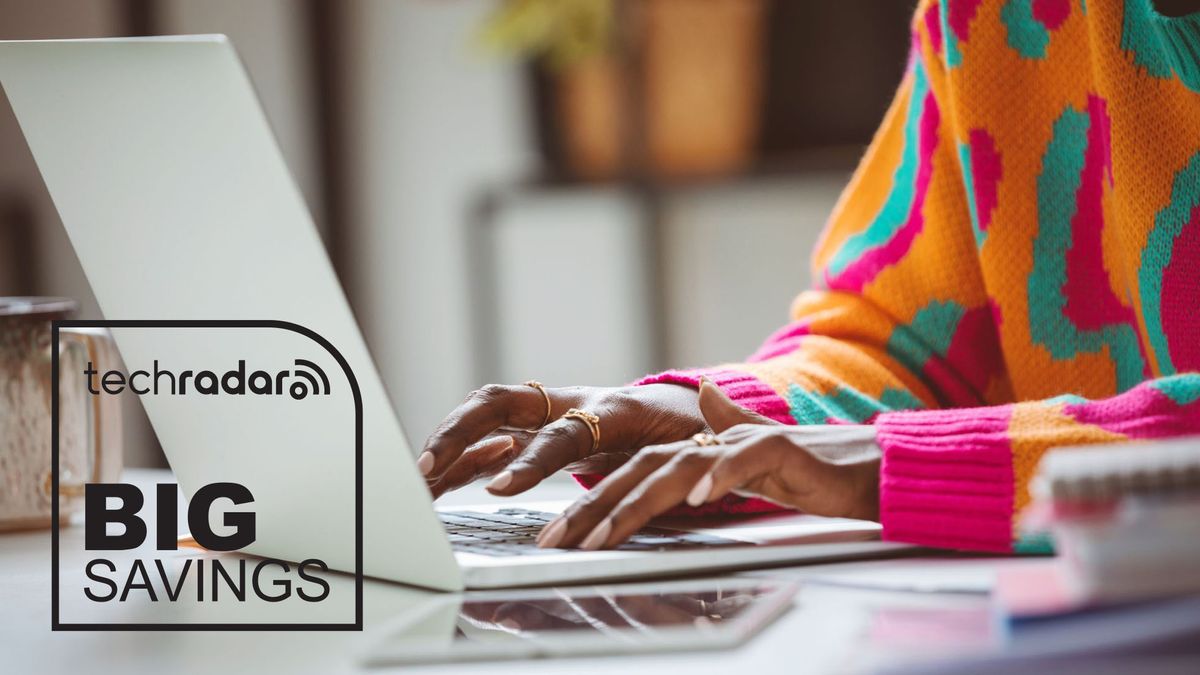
898, 331
893, 320
956, 478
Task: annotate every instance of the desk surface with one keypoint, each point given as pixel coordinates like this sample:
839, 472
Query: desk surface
841, 622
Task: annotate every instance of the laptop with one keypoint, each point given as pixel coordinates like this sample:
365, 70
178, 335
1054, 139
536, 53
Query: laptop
179, 206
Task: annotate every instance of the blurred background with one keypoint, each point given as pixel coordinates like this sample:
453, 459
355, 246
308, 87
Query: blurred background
578, 191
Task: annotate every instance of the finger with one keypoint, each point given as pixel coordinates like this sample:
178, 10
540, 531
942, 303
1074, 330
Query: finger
722, 413
750, 463
602, 463
484, 411
564, 441
660, 491
483, 459
480, 460
586, 512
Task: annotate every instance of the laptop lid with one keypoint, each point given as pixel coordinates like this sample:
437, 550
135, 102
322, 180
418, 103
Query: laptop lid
179, 205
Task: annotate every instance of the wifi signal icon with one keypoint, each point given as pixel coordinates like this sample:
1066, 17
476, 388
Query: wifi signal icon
307, 382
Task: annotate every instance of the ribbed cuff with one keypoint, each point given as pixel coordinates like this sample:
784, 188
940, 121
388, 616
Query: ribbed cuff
745, 389
946, 478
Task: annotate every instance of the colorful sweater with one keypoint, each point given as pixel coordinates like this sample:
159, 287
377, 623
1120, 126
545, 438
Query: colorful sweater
1014, 266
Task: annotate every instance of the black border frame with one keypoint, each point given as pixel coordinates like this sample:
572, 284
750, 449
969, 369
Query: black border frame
56, 625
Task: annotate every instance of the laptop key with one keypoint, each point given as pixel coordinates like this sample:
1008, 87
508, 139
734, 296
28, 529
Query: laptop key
513, 531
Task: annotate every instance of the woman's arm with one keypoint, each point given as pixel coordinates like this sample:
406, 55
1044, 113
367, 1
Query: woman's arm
950, 478
957, 478
898, 317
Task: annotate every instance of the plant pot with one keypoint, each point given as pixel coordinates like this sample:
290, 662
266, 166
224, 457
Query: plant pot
697, 98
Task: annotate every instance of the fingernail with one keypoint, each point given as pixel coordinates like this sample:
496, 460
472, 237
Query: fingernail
598, 536
699, 494
552, 533
704, 380
425, 463
501, 481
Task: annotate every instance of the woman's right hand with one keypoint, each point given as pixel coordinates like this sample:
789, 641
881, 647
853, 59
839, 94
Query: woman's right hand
494, 433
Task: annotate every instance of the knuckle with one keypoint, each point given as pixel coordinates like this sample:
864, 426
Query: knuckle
558, 433
445, 433
489, 392
692, 458
616, 400
526, 466
583, 504
654, 453
588, 499
631, 510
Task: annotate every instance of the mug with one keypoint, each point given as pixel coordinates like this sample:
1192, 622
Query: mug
90, 448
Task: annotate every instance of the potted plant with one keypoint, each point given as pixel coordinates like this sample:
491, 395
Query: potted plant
666, 86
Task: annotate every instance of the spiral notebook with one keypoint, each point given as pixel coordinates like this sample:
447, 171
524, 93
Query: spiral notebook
1105, 473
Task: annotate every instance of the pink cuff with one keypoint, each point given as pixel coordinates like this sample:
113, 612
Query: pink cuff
946, 478
747, 391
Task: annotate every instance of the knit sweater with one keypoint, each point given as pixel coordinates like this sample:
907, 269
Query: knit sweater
1014, 266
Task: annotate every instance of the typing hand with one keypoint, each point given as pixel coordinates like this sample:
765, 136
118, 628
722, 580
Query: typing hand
517, 435
830, 470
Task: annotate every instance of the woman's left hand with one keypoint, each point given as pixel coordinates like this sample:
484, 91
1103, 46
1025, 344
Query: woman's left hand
828, 470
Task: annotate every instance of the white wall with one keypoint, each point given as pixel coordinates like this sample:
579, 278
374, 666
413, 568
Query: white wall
432, 121
736, 257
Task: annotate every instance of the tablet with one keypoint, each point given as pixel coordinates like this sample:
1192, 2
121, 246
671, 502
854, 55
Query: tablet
582, 620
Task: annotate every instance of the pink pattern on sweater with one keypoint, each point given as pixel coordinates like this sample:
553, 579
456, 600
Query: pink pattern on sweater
745, 389
1142, 412
986, 172
960, 14
783, 341
864, 270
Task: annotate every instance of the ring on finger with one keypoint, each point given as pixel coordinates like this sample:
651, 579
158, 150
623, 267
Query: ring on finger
542, 388
592, 422
704, 440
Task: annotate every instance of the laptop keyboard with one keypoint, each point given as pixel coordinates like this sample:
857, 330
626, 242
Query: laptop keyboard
514, 531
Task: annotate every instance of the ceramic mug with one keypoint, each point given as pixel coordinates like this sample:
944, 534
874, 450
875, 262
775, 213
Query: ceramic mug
90, 445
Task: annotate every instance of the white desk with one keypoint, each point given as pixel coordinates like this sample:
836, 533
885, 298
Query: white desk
832, 628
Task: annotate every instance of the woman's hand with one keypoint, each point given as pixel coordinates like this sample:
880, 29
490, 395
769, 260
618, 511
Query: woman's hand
495, 432
828, 470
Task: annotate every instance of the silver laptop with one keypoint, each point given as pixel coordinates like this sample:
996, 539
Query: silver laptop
179, 206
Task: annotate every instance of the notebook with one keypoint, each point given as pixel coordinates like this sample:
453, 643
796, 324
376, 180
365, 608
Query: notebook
1125, 519
1103, 473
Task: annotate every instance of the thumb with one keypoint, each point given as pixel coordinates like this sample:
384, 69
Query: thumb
721, 412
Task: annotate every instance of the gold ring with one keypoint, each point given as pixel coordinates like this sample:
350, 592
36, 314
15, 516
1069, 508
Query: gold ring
705, 440
592, 422
540, 387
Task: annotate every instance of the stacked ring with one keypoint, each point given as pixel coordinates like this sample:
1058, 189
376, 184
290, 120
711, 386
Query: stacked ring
549, 407
705, 440
592, 422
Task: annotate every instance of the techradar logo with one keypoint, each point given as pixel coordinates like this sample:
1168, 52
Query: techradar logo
306, 379
108, 569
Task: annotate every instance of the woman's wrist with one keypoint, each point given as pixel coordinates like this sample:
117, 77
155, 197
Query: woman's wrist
864, 487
